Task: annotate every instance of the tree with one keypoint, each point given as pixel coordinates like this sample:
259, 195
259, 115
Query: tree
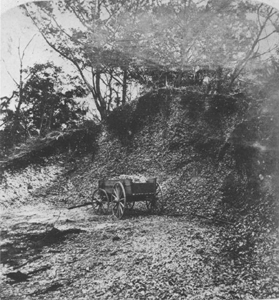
219, 35
49, 99
267, 24
13, 117
113, 44
89, 46
46, 103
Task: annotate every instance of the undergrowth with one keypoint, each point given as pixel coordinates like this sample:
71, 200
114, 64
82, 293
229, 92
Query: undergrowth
212, 167
203, 150
77, 141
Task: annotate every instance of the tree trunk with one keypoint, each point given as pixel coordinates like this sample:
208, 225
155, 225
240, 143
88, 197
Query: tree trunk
98, 97
16, 125
50, 118
20, 85
124, 91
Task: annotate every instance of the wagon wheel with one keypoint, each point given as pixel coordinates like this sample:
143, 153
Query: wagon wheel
130, 205
100, 201
118, 200
148, 204
156, 203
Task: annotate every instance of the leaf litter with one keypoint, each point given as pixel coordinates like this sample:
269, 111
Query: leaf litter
143, 257
89, 256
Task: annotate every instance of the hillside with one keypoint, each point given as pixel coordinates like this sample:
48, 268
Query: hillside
192, 251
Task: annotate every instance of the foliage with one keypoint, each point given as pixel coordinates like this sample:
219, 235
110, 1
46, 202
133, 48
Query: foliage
152, 104
90, 46
208, 170
58, 107
117, 45
250, 191
47, 102
212, 143
230, 131
80, 140
120, 121
126, 120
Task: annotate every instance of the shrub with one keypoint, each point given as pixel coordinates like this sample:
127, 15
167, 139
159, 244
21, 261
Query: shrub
125, 120
194, 102
120, 121
224, 105
79, 140
84, 139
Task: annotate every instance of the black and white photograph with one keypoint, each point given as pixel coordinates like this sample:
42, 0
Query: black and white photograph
139, 150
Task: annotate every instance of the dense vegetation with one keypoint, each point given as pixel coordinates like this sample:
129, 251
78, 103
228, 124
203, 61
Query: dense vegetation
210, 133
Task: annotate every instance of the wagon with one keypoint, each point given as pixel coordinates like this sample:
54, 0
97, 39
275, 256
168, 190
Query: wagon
119, 195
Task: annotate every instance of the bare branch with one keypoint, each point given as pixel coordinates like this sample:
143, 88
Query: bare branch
258, 13
61, 29
82, 21
17, 84
241, 65
29, 75
263, 53
3, 123
93, 81
275, 23
267, 36
9, 98
116, 79
23, 52
105, 83
18, 50
60, 52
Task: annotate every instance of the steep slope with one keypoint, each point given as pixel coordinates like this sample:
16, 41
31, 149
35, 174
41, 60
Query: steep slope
179, 138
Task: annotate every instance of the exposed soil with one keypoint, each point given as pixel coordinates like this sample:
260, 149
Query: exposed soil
97, 257
50, 252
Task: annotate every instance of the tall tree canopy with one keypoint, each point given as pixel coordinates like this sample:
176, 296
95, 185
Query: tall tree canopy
114, 44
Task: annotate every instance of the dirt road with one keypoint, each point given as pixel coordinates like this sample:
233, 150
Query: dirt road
74, 254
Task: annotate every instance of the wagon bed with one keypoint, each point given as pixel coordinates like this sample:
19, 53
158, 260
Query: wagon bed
131, 188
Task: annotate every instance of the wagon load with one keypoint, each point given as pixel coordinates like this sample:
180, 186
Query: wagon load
134, 178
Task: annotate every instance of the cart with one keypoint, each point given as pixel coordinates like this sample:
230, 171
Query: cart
118, 195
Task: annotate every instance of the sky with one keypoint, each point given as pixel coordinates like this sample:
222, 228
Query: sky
16, 31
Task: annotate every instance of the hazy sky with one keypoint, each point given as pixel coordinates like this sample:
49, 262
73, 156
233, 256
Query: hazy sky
16, 31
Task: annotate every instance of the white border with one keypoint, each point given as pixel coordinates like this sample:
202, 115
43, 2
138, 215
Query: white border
8, 4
